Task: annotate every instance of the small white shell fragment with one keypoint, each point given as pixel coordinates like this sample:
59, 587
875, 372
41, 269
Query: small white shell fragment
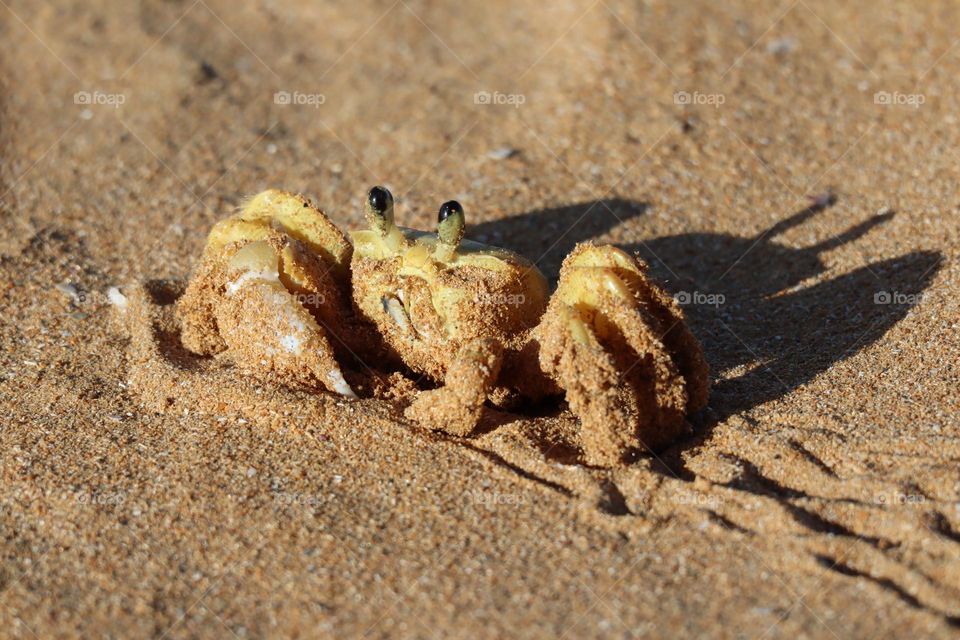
292, 343
781, 46
339, 384
502, 153
116, 298
68, 290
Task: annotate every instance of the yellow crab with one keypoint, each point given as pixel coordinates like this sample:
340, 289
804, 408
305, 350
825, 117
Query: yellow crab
284, 293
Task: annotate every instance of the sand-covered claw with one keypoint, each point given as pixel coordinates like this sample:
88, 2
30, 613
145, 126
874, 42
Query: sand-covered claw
619, 347
268, 293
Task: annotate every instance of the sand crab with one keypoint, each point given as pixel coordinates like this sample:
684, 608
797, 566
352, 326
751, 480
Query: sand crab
282, 291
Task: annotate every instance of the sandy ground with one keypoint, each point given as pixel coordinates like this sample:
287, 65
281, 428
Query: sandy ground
799, 194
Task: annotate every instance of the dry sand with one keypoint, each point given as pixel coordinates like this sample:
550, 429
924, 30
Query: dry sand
144, 495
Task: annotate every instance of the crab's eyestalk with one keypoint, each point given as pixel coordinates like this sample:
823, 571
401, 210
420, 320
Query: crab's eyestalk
378, 209
451, 225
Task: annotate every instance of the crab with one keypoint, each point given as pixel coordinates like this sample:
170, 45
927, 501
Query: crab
282, 292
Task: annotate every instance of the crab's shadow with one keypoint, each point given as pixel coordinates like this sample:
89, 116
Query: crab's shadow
764, 332
547, 235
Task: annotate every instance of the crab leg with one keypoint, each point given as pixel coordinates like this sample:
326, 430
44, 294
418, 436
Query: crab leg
616, 345
608, 411
456, 406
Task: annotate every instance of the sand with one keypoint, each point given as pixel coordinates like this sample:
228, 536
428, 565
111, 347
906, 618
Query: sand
787, 169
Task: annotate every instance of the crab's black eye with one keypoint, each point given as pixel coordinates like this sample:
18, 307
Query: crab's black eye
380, 199
448, 209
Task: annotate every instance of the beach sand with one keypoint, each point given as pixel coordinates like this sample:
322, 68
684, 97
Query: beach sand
788, 170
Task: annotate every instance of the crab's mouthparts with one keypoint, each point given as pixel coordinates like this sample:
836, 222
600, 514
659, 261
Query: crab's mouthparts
393, 307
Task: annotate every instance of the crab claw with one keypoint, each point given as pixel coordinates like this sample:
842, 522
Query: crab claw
267, 328
618, 346
270, 277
